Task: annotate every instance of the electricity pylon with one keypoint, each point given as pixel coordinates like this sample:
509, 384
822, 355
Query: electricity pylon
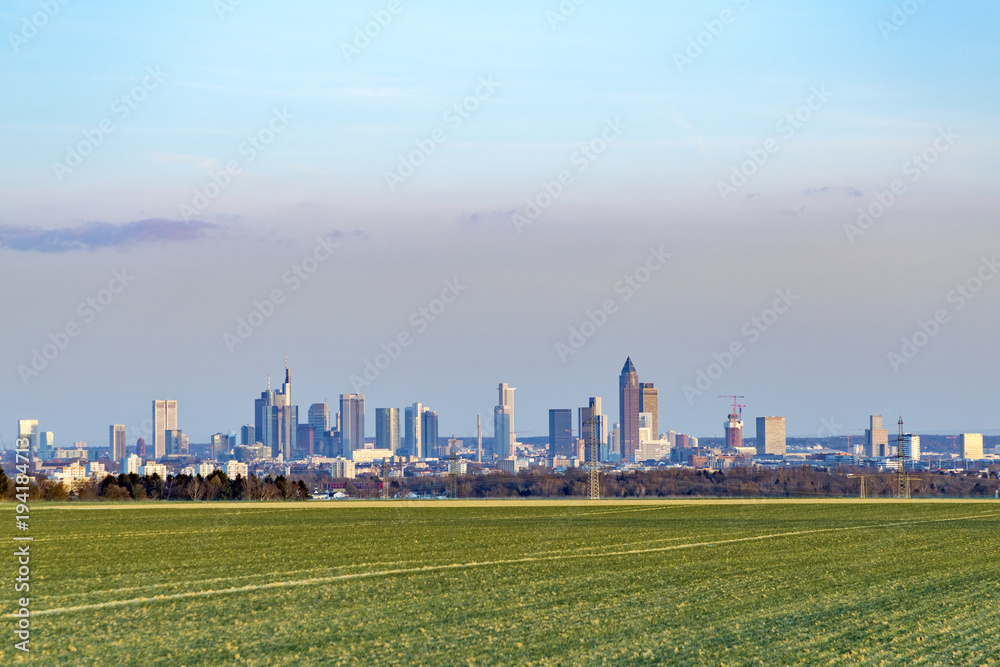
902, 476
453, 467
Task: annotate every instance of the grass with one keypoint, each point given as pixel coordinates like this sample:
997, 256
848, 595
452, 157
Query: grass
545, 583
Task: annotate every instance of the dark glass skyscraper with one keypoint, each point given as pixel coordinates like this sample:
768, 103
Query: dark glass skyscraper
387, 429
629, 400
561, 433
429, 430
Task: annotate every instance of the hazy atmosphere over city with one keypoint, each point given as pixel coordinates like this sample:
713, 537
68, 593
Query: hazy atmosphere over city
418, 201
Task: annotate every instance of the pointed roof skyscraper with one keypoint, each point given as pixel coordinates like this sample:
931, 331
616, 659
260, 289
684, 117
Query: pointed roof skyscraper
629, 400
629, 367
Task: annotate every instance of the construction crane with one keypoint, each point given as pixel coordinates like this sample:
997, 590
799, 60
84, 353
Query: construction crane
848, 438
736, 406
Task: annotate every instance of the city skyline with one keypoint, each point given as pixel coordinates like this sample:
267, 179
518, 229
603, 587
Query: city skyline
807, 187
270, 410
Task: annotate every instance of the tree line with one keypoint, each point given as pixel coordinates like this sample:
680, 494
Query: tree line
798, 482
217, 486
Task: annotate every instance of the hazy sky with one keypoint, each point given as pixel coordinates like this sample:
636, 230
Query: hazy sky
176, 162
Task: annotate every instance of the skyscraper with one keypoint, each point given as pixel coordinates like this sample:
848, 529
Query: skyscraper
27, 429
734, 430
561, 433
629, 399
387, 429
972, 446
429, 430
276, 420
352, 422
164, 419
305, 440
319, 417
649, 401
265, 410
248, 435
911, 447
413, 440
46, 443
594, 426
288, 416
876, 438
771, 436
503, 424
117, 441
319, 420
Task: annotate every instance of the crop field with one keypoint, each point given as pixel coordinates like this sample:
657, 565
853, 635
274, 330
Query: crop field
483, 583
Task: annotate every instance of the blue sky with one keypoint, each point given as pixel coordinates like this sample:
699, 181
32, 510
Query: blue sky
347, 121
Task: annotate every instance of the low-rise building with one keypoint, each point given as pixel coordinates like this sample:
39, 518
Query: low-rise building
512, 465
370, 455
653, 450
72, 474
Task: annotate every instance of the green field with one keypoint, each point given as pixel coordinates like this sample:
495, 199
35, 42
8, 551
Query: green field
547, 583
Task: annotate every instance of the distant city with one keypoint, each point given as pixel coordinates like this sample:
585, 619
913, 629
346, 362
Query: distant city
409, 444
